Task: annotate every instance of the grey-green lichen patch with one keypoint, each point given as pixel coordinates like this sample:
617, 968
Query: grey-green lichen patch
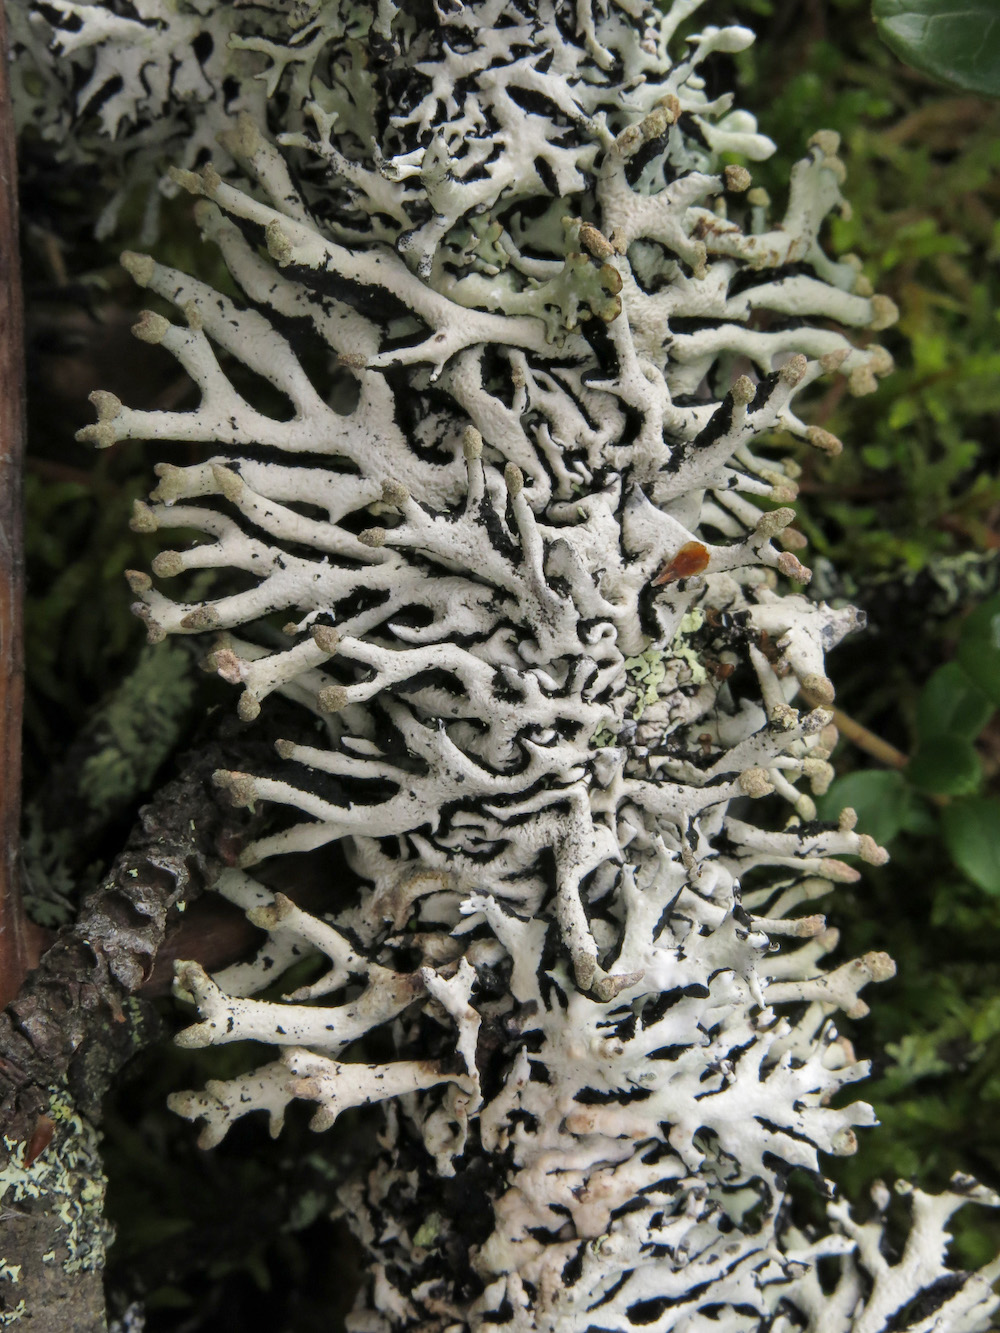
139, 726
11, 1273
646, 673
307, 1208
13, 1315
656, 673
110, 766
428, 1233
317, 1199
49, 885
562, 294
604, 736
478, 241
66, 1182
690, 624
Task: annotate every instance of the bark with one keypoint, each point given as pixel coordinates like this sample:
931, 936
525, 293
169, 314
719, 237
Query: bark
74, 1025
13, 943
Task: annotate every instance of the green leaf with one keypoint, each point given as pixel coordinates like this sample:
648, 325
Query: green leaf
168, 1298
946, 766
956, 41
972, 836
877, 456
951, 705
979, 647
884, 803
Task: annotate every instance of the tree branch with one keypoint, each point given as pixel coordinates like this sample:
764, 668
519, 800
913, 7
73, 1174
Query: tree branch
67, 1022
73, 1026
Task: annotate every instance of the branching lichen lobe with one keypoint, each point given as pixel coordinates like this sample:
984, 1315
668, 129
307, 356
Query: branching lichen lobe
545, 631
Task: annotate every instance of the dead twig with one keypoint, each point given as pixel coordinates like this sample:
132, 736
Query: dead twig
867, 740
860, 736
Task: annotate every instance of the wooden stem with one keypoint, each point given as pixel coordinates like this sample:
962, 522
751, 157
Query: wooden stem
860, 736
13, 950
867, 740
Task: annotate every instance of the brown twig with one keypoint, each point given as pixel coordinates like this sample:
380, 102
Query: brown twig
860, 736
13, 948
867, 740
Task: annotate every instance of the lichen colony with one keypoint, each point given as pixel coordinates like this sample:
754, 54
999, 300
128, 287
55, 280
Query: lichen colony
502, 523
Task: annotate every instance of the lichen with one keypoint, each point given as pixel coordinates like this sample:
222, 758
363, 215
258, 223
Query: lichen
13, 1313
658, 673
50, 888
536, 578
67, 1178
137, 728
130, 92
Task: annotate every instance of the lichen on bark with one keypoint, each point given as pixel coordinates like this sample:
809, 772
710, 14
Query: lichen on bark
513, 540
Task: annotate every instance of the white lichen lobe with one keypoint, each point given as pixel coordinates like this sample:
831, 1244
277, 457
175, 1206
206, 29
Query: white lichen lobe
523, 333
